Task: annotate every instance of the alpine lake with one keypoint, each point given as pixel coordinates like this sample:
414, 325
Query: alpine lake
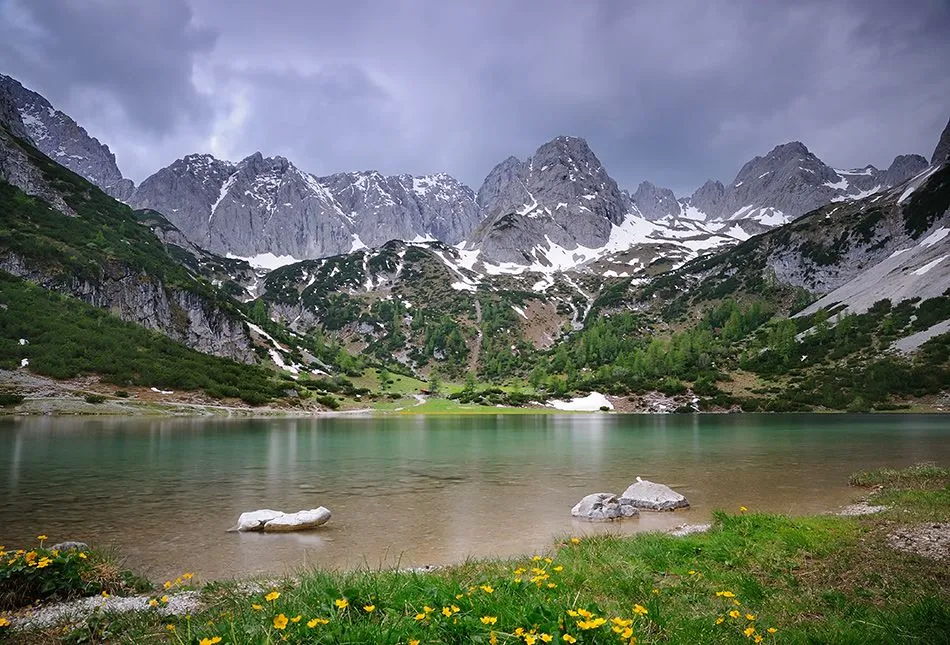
416, 490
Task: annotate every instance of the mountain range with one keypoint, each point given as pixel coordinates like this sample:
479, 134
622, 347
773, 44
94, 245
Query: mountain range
558, 209
550, 270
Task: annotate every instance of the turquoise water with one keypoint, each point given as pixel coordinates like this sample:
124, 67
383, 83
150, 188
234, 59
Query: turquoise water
416, 490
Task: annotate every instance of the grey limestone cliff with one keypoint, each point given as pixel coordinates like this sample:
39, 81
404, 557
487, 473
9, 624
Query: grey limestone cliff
561, 195
941, 153
63, 140
267, 205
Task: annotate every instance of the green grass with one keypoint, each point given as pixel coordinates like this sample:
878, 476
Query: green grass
917, 476
435, 406
822, 579
69, 338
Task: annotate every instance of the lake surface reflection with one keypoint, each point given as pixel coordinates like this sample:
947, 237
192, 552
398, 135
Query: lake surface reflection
416, 490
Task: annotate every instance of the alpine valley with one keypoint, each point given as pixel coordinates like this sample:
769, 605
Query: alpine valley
795, 286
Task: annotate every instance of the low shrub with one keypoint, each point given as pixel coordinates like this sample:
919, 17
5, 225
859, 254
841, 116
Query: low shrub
40, 573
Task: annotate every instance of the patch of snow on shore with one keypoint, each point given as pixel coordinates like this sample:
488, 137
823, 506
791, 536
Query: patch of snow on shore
590, 403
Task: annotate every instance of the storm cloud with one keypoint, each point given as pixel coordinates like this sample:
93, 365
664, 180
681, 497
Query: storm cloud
670, 92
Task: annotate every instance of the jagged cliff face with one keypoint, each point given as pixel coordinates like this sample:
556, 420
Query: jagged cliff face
941, 153
140, 298
63, 140
187, 310
558, 199
268, 205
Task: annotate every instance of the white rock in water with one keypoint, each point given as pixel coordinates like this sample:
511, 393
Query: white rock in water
653, 497
299, 521
254, 521
268, 520
602, 507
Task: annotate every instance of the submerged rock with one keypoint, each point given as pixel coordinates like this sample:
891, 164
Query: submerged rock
69, 545
651, 496
603, 507
268, 520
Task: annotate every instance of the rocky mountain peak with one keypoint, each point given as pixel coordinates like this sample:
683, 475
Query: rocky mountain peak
941, 153
59, 137
902, 168
654, 203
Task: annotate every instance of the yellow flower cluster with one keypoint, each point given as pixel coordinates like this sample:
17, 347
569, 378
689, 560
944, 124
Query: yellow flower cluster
749, 631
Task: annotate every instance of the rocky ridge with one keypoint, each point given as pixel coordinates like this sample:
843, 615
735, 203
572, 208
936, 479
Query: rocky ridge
269, 207
59, 137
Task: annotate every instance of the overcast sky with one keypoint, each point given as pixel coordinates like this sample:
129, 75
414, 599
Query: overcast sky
673, 92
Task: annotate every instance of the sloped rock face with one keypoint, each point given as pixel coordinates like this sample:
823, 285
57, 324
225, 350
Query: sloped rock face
601, 507
59, 137
941, 153
268, 205
145, 300
17, 169
562, 195
654, 202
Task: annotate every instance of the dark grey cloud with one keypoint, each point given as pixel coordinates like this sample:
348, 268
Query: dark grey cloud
671, 92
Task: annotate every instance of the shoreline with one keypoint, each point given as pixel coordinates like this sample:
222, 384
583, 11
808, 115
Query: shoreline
717, 583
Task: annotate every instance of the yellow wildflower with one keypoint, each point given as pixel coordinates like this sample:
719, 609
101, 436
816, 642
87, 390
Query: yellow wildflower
583, 613
369, 608
559, 568
487, 588
627, 633
256, 607
519, 571
419, 617
574, 540
734, 614
530, 640
742, 509
620, 622
750, 616
771, 630
567, 638
414, 641
536, 558
187, 576
691, 572
572, 613
42, 564
342, 603
551, 585
41, 537
153, 603
548, 560
170, 627
489, 620
640, 610
748, 631
105, 594
547, 638
720, 620
4, 622
296, 619
164, 599
757, 638
280, 621
725, 594
82, 555
210, 641
492, 639
317, 621
519, 631
455, 609
168, 584
446, 612
272, 596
